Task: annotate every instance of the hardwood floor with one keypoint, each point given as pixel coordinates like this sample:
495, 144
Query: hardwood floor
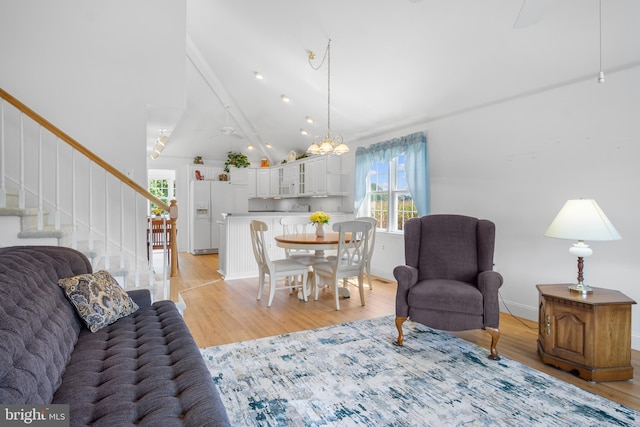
220, 312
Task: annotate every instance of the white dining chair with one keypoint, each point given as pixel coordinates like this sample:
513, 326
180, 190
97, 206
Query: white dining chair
353, 246
372, 240
297, 225
274, 268
300, 225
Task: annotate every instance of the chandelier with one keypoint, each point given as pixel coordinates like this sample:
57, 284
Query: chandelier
328, 144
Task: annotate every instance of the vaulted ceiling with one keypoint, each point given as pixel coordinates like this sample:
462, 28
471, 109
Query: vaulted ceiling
394, 64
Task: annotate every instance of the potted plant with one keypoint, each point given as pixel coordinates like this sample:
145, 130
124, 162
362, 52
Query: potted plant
237, 159
197, 160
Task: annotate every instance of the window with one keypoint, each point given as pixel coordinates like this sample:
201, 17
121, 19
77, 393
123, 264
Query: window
389, 199
392, 181
162, 184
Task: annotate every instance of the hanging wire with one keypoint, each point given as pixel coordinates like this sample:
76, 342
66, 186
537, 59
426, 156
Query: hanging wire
601, 74
325, 57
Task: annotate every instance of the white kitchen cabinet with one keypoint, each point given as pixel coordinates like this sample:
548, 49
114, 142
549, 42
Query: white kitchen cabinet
262, 182
238, 175
274, 181
283, 181
289, 181
320, 176
252, 183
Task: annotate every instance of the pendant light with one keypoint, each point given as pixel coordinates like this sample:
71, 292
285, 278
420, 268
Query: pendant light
329, 144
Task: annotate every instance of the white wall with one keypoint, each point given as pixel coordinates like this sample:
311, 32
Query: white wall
517, 162
93, 68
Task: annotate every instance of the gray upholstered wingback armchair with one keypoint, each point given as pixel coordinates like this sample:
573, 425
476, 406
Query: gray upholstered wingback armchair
448, 282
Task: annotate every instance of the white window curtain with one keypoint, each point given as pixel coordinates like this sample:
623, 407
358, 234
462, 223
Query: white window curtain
414, 148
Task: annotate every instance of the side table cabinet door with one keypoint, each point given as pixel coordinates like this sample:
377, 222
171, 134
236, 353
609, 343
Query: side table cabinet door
570, 332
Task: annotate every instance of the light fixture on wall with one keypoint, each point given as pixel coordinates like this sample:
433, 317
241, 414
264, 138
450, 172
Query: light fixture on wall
329, 144
582, 220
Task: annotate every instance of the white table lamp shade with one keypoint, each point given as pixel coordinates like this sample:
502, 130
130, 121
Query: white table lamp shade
582, 219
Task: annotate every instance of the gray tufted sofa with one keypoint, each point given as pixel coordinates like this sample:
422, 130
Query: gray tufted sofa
145, 369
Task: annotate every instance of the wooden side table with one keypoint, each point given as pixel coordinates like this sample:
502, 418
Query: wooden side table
589, 335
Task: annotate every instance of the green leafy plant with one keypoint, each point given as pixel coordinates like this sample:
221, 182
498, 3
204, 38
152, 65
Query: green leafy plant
239, 160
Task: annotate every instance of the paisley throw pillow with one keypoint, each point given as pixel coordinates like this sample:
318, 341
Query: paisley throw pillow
98, 298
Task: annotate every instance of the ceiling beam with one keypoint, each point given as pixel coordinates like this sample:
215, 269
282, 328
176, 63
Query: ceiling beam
217, 88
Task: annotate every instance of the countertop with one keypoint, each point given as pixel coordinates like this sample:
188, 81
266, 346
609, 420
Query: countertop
277, 213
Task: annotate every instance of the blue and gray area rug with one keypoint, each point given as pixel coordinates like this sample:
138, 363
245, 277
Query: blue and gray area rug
351, 375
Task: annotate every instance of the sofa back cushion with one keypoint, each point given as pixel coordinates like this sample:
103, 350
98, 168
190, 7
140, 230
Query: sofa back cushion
38, 326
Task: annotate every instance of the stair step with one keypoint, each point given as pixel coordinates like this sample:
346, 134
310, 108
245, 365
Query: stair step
11, 198
28, 216
62, 236
91, 250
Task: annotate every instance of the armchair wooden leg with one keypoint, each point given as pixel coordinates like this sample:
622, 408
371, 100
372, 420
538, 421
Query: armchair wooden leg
399, 322
495, 336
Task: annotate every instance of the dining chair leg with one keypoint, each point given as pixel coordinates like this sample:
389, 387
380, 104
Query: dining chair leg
368, 266
272, 288
337, 293
305, 278
260, 284
315, 284
361, 287
311, 281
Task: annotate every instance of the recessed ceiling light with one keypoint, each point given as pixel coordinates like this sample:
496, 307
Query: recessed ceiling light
259, 76
309, 119
303, 131
250, 147
285, 99
268, 145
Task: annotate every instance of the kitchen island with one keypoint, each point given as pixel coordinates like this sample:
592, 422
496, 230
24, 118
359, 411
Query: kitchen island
235, 255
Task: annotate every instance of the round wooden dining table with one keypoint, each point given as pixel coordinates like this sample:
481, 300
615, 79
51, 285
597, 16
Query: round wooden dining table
310, 241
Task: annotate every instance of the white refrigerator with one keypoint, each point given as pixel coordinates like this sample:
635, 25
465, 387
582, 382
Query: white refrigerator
208, 200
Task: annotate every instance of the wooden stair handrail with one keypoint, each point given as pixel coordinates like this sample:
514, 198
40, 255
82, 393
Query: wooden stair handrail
173, 213
81, 148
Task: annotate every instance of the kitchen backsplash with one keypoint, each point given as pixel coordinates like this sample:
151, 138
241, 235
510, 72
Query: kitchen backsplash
327, 204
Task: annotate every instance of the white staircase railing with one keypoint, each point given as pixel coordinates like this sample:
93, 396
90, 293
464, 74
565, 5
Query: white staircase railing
80, 199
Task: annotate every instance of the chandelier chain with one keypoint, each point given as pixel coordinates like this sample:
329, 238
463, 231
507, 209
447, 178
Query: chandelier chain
326, 57
329, 89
